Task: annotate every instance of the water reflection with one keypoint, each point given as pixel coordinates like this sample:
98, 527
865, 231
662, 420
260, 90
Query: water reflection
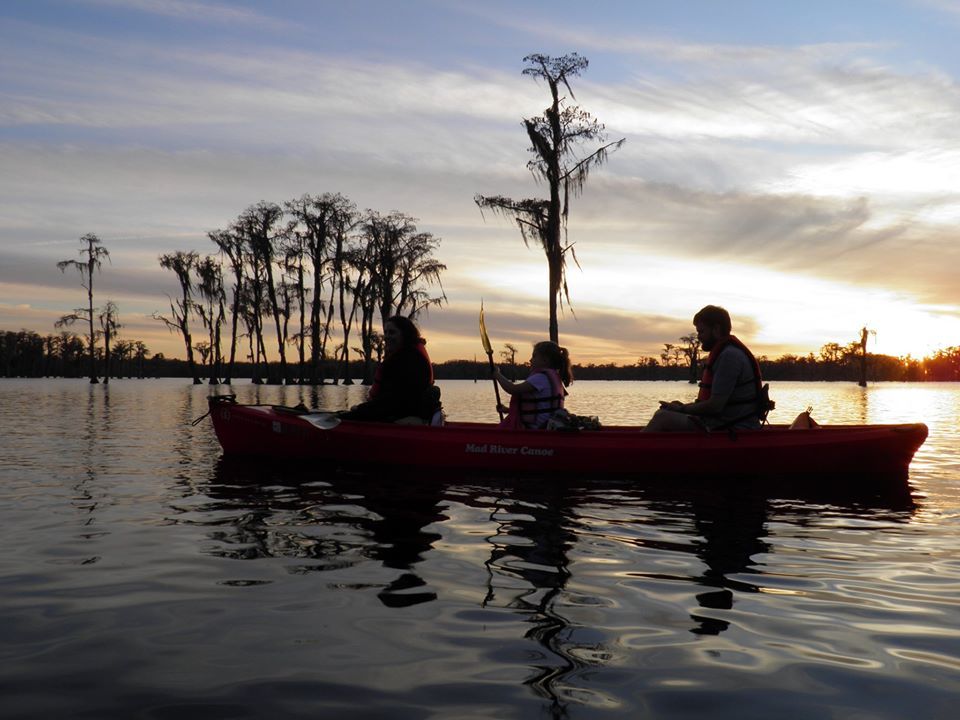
93, 464
401, 510
528, 572
461, 597
340, 524
731, 516
326, 397
862, 405
263, 510
731, 527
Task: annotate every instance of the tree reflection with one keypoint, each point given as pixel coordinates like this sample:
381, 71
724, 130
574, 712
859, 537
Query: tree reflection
97, 420
528, 572
535, 527
262, 511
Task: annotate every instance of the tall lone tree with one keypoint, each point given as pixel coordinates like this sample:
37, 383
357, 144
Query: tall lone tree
557, 140
92, 248
862, 346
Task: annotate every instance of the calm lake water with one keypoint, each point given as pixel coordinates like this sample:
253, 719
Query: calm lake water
145, 576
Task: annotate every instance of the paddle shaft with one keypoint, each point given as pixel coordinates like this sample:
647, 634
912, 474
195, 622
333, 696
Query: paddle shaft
496, 385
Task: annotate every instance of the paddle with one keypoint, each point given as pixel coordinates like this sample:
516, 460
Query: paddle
318, 418
489, 350
322, 420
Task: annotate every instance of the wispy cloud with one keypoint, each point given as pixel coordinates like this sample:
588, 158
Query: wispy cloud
214, 13
815, 104
948, 7
663, 49
818, 160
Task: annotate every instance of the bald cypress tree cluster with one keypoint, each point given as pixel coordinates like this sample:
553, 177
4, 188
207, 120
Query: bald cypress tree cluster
311, 280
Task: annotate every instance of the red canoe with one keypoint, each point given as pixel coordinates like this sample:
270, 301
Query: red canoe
279, 432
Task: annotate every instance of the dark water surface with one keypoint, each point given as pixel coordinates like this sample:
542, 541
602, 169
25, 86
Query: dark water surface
142, 575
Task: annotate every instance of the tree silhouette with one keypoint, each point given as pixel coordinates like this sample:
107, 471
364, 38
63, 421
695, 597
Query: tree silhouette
140, 352
121, 351
231, 247
398, 263
204, 349
833, 353
862, 347
209, 287
294, 290
71, 350
353, 280
361, 285
402, 266
279, 263
252, 299
92, 248
109, 324
691, 350
182, 264
671, 355
556, 138
286, 296
323, 222
259, 226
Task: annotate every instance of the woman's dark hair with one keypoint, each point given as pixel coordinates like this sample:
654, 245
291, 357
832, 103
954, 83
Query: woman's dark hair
408, 331
557, 357
714, 315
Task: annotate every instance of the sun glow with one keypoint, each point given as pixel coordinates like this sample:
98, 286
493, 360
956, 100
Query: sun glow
778, 312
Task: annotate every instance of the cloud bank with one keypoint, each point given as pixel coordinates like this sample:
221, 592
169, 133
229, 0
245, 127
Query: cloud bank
831, 166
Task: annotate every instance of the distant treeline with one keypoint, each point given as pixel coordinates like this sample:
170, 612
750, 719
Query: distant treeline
312, 279
29, 354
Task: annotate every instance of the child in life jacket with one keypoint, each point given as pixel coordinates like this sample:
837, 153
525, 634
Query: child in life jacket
535, 399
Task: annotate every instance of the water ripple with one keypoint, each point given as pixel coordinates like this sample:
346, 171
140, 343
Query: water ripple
138, 558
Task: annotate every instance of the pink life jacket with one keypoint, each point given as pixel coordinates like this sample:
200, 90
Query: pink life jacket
524, 408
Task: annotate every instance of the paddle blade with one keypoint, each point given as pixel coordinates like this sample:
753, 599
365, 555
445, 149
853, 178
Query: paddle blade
322, 420
483, 334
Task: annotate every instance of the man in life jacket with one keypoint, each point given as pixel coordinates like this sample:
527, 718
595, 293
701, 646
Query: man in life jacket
731, 394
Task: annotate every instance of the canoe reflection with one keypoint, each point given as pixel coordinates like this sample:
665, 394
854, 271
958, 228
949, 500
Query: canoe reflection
730, 517
731, 528
541, 536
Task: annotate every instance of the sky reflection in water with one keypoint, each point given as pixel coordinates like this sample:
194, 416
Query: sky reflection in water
149, 575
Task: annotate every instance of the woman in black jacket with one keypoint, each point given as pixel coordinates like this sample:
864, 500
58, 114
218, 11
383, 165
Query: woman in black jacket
403, 389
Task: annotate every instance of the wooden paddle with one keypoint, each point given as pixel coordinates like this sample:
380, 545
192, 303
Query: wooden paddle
489, 350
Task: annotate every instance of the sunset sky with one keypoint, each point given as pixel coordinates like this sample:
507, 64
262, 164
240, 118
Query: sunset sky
796, 162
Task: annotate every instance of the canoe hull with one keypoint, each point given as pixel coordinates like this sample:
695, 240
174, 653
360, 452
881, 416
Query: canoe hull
268, 431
